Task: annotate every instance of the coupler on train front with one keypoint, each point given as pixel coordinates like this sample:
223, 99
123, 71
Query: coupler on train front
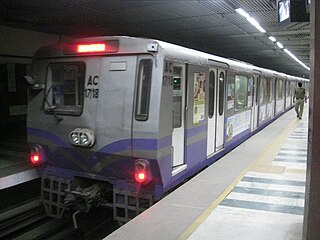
61, 195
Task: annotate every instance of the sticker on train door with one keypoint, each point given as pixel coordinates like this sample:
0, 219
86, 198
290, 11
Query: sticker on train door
199, 96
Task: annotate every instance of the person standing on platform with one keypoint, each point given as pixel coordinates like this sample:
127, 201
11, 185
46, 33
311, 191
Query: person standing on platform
300, 97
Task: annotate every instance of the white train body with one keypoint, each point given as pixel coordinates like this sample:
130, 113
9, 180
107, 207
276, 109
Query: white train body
135, 117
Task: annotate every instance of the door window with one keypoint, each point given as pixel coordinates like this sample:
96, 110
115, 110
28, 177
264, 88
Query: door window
144, 85
177, 97
221, 93
211, 94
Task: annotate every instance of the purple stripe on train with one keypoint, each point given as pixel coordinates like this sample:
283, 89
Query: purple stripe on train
47, 135
118, 146
196, 130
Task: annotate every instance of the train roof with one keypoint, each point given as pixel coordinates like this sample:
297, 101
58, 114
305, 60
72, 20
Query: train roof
133, 45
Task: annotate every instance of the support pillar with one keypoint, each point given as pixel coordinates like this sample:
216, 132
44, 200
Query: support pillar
311, 225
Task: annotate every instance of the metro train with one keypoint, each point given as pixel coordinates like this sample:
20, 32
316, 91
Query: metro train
119, 121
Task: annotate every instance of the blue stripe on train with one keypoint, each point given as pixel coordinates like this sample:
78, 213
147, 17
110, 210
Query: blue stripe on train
118, 146
121, 145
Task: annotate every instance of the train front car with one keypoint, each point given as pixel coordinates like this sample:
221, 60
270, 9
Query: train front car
95, 127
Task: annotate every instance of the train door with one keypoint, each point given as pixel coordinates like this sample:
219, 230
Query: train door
212, 112
276, 95
178, 114
273, 95
222, 74
115, 104
215, 133
254, 120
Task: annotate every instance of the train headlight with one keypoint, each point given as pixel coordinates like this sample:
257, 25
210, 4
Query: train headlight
82, 137
74, 138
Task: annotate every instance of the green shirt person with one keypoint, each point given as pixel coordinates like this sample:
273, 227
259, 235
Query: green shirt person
300, 97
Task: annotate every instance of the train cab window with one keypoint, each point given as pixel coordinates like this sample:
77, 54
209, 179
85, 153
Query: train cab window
65, 88
241, 92
211, 94
143, 89
221, 93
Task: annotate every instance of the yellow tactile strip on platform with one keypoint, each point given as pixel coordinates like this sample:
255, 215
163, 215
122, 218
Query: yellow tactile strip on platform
262, 162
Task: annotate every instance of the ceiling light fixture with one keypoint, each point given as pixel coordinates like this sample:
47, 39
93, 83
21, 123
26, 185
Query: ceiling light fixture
280, 45
296, 59
250, 19
273, 39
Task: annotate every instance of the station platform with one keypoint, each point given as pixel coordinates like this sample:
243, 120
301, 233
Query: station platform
14, 165
255, 192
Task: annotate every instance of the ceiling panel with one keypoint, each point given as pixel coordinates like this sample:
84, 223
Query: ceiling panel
212, 26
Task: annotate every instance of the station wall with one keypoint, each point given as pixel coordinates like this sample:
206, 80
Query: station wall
17, 47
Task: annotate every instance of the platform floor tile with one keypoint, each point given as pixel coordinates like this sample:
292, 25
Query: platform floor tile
268, 202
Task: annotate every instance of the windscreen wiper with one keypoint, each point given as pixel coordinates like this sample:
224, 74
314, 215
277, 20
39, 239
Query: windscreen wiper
51, 108
45, 100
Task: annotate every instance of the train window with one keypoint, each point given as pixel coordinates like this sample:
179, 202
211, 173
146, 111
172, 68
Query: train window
280, 88
177, 96
65, 88
230, 93
262, 92
287, 88
293, 86
241, 92
271, 90
221, 93
265, 90
143, 92
250, 92
211, 94
255, 88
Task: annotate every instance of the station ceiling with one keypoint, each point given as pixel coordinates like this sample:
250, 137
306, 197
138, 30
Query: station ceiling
208, 25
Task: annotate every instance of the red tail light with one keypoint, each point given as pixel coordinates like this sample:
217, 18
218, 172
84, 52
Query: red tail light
141, 177
142, 172
91, 48
35, 156
35, 159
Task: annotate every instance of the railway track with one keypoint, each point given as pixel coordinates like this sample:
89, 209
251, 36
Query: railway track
20, 217
28, 221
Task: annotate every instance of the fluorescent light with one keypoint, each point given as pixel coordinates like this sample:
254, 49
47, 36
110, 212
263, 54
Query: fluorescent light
290, 54
250, 19
279, 45
296, 59
242, 12
260, 29
273, 39
256, 24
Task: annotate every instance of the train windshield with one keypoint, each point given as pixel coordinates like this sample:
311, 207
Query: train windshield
65, 88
